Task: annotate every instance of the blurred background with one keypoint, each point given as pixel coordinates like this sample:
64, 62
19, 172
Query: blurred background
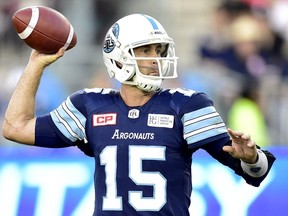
235, 51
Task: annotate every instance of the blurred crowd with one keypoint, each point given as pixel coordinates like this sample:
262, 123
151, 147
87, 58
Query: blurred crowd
249, 39
242, 63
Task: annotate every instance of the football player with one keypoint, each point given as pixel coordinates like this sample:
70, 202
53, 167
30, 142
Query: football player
141, 136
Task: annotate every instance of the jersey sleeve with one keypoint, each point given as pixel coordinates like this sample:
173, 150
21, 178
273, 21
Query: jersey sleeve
63, 127
202, 124
69, 120
46, 135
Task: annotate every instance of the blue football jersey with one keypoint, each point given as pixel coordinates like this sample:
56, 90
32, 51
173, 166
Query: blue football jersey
142, 154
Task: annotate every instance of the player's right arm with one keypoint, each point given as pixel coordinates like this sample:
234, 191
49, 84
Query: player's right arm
19, 121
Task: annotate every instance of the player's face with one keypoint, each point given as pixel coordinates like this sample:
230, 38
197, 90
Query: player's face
149, 66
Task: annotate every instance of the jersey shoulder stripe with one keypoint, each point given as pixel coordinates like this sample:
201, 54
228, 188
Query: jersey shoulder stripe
201, 121
69, 121
202, 124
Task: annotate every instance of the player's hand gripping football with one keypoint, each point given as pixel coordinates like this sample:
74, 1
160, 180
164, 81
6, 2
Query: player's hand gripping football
242, 147
43, 60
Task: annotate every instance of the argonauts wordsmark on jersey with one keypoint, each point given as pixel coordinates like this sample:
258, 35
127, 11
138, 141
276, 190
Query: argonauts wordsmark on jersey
131, 135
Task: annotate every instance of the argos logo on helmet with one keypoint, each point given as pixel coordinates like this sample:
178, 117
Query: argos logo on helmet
109, 41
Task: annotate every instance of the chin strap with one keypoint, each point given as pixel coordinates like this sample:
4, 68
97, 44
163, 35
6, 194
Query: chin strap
145, 84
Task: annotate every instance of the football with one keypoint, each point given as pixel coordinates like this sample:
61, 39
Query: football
44, 29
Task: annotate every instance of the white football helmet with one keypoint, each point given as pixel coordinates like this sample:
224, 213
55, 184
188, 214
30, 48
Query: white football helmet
134, 31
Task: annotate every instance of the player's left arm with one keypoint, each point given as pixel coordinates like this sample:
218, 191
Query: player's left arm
243, 156
204, 128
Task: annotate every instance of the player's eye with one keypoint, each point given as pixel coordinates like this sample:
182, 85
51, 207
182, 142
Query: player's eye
146, 50
159, 50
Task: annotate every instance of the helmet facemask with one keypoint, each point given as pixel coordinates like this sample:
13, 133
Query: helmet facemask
165, 68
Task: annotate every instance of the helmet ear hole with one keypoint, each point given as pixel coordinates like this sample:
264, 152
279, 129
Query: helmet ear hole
119, 65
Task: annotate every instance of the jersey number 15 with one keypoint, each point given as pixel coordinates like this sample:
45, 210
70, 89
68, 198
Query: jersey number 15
137, 154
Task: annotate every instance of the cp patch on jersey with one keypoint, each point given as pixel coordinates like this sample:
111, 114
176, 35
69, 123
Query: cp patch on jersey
104, 119
160, 120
